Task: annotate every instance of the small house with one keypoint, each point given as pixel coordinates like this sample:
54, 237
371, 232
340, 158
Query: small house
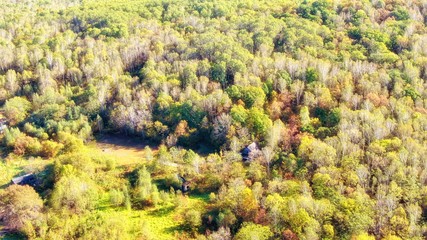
185, 186
250, 152
27, 179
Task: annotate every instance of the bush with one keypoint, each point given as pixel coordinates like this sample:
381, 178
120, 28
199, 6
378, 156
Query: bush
74, 194
253, 231
50, 148
70, 142
116, 197
16, 109
400, 14
192, 219
103, 226
27, 145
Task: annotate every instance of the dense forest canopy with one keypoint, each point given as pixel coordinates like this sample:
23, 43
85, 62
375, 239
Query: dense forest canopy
332, 92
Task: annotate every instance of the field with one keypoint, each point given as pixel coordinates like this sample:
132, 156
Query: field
161, 222
126, 150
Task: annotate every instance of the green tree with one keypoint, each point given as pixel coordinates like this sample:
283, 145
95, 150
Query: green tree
144, 188
399, 223
74, 194
253, 96
16, 109
316, 152
219, 73
322, 186
259, 121
311, 75
239, 114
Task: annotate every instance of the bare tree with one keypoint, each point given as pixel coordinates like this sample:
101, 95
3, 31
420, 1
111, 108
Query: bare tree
268, 154
11, 82
298, 89
220, 128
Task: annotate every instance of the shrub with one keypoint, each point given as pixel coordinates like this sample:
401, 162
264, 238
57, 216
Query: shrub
253, 231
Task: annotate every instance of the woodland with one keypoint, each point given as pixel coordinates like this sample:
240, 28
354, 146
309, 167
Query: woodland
332, 94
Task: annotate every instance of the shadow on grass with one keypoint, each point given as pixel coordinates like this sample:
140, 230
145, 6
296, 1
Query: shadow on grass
117, 141
104, 203
199, 196
179, 228
165, 185
103, 207
161, 212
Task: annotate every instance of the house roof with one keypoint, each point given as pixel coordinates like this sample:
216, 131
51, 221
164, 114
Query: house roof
250, 151
252, 146
21, 179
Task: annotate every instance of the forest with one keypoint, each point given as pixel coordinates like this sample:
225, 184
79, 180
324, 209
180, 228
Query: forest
213, 119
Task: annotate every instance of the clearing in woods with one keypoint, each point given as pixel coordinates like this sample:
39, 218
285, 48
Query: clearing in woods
162, 222
125, 150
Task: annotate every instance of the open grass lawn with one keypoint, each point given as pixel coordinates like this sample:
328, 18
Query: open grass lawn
161, 222
158, 222
125, 150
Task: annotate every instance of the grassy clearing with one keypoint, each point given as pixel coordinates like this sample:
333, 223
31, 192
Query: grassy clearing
162, 222
125, 150
158, 222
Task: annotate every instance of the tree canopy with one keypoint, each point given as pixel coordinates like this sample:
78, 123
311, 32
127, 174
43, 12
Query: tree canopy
333, 94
